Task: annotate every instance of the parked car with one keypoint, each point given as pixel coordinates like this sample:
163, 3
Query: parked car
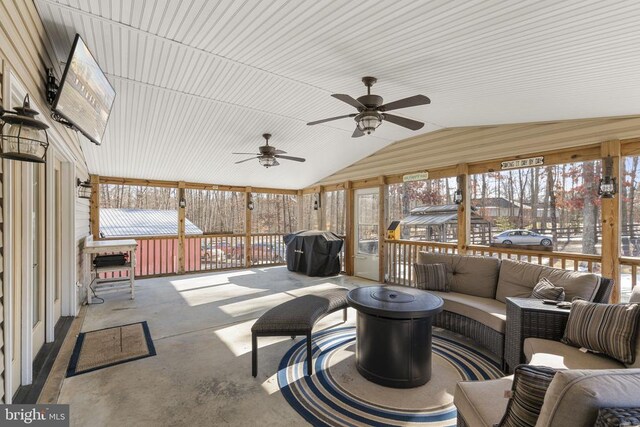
262, 252
522, 237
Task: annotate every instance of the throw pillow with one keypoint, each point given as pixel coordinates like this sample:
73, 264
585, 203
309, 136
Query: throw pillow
530, 384
547, 290
604, 328
431, 277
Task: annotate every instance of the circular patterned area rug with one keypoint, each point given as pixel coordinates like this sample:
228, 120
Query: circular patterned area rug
337, 395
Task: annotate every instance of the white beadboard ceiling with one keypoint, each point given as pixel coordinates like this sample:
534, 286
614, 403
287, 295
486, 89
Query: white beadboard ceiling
199, 79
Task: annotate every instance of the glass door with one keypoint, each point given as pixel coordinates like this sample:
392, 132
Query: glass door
367, 234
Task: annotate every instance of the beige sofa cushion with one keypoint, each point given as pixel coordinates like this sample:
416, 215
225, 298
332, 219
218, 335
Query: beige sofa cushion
574, 396
482, 403
487, 311
471, 275
517, 279
561, 356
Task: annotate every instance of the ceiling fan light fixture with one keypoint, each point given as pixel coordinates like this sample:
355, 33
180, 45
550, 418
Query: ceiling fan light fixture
368, 121
267, 161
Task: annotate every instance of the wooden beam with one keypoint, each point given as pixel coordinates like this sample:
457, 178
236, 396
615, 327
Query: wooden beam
247, 227
569, 155
181, 230
349, 228
611, 221
189, 185
630, 147
94, 213
464, 209
382, 227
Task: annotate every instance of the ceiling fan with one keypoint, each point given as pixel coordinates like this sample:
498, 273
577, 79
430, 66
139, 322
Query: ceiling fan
372, 112
268, 155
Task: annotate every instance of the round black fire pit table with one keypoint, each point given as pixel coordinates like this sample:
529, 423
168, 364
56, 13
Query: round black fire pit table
393, 334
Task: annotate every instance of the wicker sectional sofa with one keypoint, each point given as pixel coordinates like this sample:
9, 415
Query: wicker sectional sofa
588, 389
476, 304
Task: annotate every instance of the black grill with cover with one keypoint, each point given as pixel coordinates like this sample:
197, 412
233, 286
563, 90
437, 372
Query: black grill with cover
314, 253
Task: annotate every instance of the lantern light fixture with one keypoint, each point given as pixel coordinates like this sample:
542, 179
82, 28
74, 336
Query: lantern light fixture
22, 136
250, 204
84, 188
458, 196
316, 201
182, 203
608, 186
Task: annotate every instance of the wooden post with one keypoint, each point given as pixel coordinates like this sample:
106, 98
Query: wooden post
94, 207
320, 212
300, 210
464, 209
611, 222
350, 237
247, 228
181, 230
382, 228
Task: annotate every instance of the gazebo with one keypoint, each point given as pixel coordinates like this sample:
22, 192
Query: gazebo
440, 224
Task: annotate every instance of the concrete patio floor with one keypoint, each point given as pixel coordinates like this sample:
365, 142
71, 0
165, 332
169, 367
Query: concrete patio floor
201, 374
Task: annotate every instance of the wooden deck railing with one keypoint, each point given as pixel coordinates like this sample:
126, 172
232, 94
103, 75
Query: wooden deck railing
267, 249
564, 260
402, 254
212, 252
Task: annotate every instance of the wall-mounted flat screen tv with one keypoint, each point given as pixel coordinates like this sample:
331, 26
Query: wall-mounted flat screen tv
85, 96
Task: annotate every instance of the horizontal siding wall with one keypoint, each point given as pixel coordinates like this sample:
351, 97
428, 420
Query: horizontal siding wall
26, 53
449, 147
2, 325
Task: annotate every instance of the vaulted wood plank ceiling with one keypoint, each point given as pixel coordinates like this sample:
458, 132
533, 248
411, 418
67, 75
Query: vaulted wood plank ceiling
199, 79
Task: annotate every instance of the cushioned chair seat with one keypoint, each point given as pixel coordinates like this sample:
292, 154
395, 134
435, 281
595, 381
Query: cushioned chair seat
300, 314
484, 310
482, 403
574, 396
561, 356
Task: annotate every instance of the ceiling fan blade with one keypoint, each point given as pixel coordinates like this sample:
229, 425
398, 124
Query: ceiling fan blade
246, 160
349, 100
332, 118
295, 159
404, 122
357, 133
279, 152
411, 101
248, 154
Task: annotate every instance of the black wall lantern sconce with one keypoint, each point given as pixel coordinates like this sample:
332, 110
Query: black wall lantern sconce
84, 188
182, 203
22, 136
458, 196
316, 201
250, 204
608, 186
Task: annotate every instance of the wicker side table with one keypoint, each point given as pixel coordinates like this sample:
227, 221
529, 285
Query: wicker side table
530, 318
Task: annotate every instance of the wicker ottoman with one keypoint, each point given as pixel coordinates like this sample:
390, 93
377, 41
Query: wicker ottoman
296, 317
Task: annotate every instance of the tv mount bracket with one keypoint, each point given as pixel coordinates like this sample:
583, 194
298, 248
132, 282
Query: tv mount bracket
52, 92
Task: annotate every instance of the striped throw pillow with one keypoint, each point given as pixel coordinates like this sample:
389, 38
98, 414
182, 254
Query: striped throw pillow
547, 290
530, 384
431, 277
604, 328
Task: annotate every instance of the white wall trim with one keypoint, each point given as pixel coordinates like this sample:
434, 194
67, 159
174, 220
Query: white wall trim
27, 276
69, 296
7, 232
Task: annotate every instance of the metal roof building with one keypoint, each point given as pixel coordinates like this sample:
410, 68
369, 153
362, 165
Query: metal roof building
439, 223
142, 222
